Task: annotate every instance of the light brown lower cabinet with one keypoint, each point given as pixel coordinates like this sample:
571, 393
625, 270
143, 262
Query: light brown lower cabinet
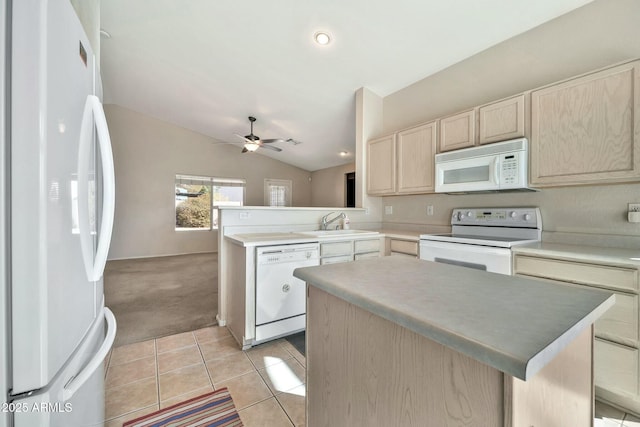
363, 370
401, 247
617, 332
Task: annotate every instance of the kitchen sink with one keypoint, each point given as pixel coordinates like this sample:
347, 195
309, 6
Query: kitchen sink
321, 233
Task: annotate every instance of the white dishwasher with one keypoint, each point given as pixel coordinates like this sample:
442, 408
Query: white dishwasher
280, 297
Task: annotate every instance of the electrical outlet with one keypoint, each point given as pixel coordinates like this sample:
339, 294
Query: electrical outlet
634, 207
244, 215
388, 210
429, 210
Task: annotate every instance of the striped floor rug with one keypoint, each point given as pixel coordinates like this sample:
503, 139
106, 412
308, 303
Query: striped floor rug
212, 409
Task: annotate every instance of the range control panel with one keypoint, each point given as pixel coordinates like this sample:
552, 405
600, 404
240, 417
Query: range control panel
497, 217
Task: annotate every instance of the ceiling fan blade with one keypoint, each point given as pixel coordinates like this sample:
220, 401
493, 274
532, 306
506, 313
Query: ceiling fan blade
270, 141
244, 150
270, 147
293, 141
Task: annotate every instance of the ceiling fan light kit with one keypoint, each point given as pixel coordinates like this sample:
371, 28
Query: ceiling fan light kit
253, 142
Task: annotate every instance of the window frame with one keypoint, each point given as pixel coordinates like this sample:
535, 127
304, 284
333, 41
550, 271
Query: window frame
287, 183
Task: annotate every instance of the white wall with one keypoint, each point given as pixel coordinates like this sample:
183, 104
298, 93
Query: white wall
599, 34
89, 13
148, 153
328, 186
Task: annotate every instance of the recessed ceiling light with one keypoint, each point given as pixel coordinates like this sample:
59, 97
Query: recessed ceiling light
322, 38
344, 153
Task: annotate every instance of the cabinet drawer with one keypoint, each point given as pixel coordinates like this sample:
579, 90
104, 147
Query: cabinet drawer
616, 366
401, 254
336, 248
366, 245
576, 272
404, 246
336, 259
621, 320
367, 255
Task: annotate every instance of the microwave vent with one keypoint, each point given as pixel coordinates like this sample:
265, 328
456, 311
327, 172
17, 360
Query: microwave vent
519, 144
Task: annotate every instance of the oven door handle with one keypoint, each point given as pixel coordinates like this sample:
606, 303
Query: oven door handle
461, 263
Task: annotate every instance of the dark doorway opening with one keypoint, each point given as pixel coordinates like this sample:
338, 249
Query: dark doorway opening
350, 190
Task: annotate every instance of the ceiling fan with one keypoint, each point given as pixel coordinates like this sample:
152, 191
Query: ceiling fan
253, 142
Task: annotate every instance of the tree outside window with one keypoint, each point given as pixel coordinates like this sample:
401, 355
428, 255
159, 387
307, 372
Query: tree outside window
196, 200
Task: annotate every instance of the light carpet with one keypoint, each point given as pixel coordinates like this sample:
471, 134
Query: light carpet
155, 297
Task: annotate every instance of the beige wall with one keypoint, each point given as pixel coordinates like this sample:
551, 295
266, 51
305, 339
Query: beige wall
594, 36
328, 186
599, 34
148, 153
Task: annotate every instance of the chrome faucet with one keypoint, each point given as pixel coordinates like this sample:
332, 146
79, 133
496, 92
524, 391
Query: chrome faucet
325, 221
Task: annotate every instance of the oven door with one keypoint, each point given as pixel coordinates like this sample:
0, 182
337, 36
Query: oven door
494, 260
474, 174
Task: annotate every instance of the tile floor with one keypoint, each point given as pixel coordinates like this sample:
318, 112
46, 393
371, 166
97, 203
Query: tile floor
607, 416
266, 382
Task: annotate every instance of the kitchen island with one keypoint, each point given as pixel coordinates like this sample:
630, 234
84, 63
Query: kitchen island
398, 341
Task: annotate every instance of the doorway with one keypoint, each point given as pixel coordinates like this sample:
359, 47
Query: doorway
350, 190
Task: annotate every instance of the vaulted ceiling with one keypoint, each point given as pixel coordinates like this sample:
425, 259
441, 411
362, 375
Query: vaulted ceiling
208, 64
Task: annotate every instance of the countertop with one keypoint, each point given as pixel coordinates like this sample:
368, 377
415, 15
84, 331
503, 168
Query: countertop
596, 254
286, 238
514, 324
402, 234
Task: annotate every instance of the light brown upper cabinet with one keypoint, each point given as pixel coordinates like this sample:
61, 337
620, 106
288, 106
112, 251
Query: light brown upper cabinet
458, 131
502, 120
381, 165
587, 129
416, 148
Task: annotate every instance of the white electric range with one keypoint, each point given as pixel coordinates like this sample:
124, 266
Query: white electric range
482, 238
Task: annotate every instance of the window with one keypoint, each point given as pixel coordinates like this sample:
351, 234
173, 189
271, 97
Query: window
197, 198
277, 192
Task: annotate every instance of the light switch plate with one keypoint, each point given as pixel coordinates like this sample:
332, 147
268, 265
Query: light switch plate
388, 210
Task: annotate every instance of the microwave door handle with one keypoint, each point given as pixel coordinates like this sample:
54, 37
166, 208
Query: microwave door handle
496, 171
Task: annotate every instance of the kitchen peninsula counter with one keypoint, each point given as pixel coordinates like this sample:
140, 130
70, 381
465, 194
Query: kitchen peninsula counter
494, 344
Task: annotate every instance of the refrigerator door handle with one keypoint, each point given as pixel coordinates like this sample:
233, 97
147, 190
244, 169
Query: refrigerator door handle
93, 110
96, 362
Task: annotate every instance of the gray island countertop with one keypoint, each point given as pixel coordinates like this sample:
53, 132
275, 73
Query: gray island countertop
513, 324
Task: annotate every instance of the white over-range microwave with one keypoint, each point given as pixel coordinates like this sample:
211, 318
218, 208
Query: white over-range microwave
493, 167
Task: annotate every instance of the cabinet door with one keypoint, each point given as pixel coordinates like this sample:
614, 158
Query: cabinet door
381, 165
502, 120
616, 366
416, 151
458, 131
587, 130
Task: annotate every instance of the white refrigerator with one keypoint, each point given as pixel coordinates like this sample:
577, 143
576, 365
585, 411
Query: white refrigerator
57, 194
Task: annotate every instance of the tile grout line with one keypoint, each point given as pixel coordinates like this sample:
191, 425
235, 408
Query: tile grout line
155, 355
204, 362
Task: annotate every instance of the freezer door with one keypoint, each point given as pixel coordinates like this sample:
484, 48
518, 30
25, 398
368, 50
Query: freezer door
54, 298
79, 402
